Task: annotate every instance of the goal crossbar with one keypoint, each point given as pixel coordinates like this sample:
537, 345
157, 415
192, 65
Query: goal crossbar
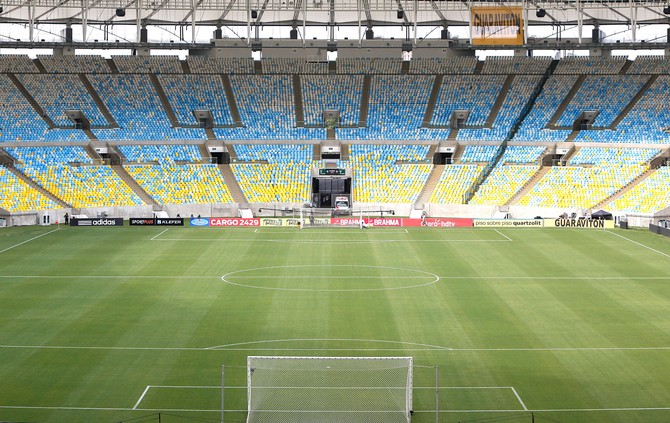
329, 389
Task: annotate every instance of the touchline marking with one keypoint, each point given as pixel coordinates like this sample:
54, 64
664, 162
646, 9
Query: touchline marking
187, 410
28, 240
154, 238
317, 241
640, 244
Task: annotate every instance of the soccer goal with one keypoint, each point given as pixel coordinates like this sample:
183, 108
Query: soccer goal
311, 218
329, 389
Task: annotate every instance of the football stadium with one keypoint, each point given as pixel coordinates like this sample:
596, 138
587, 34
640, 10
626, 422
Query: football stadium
334, 212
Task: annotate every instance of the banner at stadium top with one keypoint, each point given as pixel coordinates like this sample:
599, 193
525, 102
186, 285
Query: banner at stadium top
497, 25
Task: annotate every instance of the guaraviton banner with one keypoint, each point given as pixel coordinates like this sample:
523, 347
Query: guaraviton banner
497, 25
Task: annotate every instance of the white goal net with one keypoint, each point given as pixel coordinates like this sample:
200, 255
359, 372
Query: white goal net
329, 389
311, 218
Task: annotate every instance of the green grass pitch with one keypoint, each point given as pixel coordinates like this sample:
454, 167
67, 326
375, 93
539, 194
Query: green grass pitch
116, 324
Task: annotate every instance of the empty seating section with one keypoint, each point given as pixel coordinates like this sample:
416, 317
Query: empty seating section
164, 154
510, 65
58, 93
18, 196
467, 92
396, 107
377, 178
648, 196
67, 172
332, 92
148, 64
356, 66
16, 63
283, 176
18, 120
518, 96
593, 175
647, 122
580, 187
134, 103
187, 93
182, 184
502, 184
74, 64
479, 153
650, 65
583, 65
454, 182
534, 126
609, 156
267, 110
220, 65
522, 154
608, 94
285, 65
447, 65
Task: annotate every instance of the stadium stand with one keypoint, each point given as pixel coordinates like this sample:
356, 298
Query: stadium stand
182, 184
534, 126
649, 65
134, 103
283, 65
522, 154
502, 183
511, 65
586, 65
478, 153
17, 63
19, 196
74, 64
647, 122
356, 66
474, 93
608, 94
267, 110
509, 113
164, 154
382, 174
58, 93
454, 182
69, 173
274, 173
462, 65
148, 64
220, 65
396, 109
187, 93
593, 174
648, 196
332, 92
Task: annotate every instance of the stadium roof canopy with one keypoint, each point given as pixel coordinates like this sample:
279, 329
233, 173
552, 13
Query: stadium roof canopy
322, 12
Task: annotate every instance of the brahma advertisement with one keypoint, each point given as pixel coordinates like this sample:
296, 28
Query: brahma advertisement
436, 222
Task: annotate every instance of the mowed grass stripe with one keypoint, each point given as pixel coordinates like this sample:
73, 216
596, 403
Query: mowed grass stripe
176, 302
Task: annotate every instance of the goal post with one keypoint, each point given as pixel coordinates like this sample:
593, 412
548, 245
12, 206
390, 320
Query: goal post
311, 218
329, 389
